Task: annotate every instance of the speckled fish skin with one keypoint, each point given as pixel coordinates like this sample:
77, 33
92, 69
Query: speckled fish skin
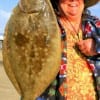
31, 47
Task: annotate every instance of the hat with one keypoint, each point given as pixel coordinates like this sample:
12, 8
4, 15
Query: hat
89, 3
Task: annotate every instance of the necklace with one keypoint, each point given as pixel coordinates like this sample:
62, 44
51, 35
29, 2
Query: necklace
68, 25
77, 36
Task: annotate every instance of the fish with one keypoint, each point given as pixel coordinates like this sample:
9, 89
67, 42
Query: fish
32, 47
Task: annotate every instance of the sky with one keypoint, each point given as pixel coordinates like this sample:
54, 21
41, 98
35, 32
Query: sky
6, 7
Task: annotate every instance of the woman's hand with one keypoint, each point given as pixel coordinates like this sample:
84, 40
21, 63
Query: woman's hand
87, 47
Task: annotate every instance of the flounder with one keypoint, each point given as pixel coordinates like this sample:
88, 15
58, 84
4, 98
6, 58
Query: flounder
31, 47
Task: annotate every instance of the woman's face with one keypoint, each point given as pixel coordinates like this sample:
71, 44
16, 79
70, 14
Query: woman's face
71, 8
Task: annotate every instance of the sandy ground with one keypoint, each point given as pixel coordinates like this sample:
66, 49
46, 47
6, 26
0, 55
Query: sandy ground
7, 91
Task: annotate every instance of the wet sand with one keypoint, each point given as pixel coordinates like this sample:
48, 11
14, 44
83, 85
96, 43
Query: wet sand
7, 91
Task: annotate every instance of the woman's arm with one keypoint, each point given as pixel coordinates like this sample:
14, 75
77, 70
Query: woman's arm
90, 46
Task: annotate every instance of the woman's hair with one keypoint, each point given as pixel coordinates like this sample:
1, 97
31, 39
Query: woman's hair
55, 6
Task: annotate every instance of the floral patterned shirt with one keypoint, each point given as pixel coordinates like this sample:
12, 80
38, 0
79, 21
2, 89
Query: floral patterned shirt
58, 90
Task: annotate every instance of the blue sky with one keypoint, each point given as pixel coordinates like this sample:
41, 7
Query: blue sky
6, 7
95, 10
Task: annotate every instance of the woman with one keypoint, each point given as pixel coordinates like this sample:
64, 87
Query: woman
77, 53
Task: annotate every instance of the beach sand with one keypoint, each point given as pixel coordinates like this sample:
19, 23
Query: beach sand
7, 91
